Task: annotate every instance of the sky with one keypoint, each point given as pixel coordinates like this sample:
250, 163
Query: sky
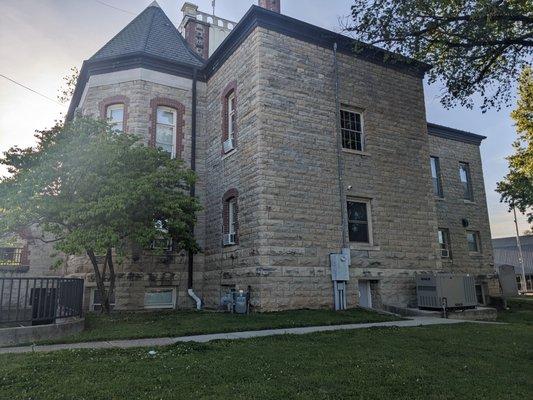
41, 40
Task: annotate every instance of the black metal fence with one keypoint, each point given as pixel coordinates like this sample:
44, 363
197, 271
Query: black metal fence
39, 301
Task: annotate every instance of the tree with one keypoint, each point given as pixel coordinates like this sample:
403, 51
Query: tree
517, 187
474, 46
92, 191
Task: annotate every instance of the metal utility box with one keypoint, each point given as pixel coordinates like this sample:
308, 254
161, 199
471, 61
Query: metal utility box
451, 291
340, 266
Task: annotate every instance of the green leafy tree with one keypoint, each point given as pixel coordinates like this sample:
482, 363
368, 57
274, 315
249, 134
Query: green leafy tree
474, 46
517, 187
92, 191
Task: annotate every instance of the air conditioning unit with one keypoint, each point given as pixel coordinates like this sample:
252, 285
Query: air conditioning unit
228, 145
444, 253
444, 290
228, 239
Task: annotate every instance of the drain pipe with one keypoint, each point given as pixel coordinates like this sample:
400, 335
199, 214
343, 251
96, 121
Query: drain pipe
190, 272
339, 286
340, 159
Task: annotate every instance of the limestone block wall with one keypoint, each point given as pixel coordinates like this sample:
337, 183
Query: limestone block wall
298, 127
452, 208
240, 265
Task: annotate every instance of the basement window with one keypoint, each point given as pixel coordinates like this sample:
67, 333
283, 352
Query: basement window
97, 300
158, 298
352, 130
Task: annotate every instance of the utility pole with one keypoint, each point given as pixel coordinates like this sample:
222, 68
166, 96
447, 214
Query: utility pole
520, 254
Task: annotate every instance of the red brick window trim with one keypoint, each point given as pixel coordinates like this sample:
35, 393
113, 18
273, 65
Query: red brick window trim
230, 214
106, 104
178, 123
229, 114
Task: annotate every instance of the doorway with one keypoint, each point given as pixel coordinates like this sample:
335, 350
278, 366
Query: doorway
365, 297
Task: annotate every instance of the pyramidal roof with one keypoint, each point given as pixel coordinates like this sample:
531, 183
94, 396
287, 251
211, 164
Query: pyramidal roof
150, 33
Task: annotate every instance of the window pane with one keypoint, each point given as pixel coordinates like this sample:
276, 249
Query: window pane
436, 176
358, 222
358, 232
159, 298
464, 174
165, 116
471, 237
351, 130
357, 211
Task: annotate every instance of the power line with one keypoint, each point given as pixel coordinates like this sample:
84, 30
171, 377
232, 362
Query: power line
30, 89
116, 8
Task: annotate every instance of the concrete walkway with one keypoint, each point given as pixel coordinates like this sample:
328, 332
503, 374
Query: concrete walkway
157, 342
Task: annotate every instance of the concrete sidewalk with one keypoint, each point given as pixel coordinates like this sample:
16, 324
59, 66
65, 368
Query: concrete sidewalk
156, 342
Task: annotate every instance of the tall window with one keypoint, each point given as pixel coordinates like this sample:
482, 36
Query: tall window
115, 116
472, 238
165, 130
466, 183
436, 177
444, 243
359, 229
231, 114
230, 218
352, 130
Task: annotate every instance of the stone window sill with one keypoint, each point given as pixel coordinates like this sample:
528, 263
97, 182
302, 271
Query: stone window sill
469, 202
356, 152
229, 154
438, 198
365, 247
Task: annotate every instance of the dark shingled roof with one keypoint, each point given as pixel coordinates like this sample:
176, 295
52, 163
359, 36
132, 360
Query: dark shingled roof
153, 34
454, 134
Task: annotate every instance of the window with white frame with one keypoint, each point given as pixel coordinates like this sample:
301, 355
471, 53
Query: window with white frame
472, 239
359, 221
115, 117
231, 114
466, 182
158, 298
165, 130
96, 300
444, 243
436, 177
352, 130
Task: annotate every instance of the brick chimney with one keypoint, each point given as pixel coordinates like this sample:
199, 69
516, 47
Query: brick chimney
272, 5
195, 31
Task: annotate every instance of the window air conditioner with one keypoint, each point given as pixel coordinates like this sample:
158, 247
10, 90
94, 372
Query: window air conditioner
228, 239
228, 145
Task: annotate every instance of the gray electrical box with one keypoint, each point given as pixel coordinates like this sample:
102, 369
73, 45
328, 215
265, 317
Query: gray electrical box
507, 278
453, 291
340, 266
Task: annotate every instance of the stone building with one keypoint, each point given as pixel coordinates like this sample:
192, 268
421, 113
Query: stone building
292, 167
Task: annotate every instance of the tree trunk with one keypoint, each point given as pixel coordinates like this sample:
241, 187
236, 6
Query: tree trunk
100, 278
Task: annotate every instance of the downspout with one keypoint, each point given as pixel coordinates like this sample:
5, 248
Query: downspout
340, 159
190, 272
339, 286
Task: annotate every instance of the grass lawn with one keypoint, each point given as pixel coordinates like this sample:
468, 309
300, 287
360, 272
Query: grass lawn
182, 323
465, 361
520, 311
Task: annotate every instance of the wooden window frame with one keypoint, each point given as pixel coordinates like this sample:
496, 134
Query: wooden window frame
179, 108
344, 131
113, 101
368, 203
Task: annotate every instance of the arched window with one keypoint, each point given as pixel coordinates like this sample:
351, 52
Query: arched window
229, 118
166, 128
115, 110
230, 218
